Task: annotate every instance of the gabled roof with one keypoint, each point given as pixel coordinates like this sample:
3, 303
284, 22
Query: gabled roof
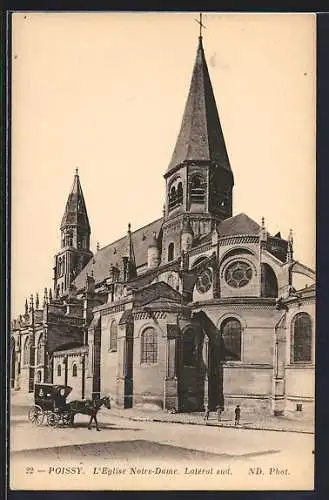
113, 253
75, 210
201, 136
155, 292
238, 224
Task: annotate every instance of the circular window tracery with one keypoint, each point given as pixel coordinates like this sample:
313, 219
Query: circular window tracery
204, 281
238, 274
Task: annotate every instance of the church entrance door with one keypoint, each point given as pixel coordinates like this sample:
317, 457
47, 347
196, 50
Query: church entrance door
191, 371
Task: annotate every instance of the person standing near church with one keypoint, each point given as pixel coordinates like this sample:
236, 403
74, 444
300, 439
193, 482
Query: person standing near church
237, 412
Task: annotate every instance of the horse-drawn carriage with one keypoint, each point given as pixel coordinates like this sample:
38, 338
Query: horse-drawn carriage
50, 404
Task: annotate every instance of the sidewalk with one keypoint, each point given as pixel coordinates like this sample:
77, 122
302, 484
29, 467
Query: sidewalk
249, 420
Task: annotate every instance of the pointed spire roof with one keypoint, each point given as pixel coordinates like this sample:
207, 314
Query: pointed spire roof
75, 210
201, 136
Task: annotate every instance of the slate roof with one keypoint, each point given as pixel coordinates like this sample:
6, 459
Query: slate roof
62, 337
238, 224
201, 136
155, 292
75, 210
113, 253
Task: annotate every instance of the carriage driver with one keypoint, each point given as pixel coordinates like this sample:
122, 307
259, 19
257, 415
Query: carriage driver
60, 400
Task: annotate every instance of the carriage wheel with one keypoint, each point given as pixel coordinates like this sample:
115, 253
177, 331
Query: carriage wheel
67, 418
53, 420
36, 415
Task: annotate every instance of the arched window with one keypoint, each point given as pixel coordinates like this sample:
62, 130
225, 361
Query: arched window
171, 249
26, 352
69, 239
149, 346
175, 196
39, 351
59, 266
74, 370
301, 349
114, 336
197, 190
179, 193
172, 197
231, 334
59, 371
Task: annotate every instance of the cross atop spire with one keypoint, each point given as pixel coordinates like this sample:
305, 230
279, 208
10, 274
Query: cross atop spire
200, 137
199, 21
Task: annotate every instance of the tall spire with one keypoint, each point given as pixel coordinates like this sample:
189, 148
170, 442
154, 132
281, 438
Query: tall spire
131, 271
75, 240
75, 210
131, 253
201, 136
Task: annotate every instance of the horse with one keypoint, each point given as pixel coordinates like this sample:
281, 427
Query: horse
87, 407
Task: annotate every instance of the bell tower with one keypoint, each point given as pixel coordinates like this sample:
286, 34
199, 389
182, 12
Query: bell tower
199, 179
75, 240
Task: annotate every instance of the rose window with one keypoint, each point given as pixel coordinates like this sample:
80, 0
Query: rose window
238, 274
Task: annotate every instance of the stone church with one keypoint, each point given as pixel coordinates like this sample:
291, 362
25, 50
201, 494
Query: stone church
196, 308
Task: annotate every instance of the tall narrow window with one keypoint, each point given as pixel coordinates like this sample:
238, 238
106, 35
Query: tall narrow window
301, 350
114, 336
149, 346
39, 351
175, 194
59, 371
171, 248
26, 353
197, 189
74, 370
231, 334
59, 267
179, 193
69, 238
172, 198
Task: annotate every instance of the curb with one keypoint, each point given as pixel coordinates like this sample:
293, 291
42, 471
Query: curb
230, 426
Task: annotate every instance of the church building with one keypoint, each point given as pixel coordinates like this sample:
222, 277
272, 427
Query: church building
197, 308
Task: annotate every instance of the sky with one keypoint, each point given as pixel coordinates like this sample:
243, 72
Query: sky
105, 92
